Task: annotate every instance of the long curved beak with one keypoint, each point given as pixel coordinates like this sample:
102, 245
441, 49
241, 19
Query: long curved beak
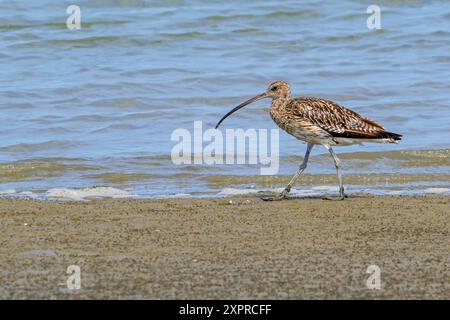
254, 99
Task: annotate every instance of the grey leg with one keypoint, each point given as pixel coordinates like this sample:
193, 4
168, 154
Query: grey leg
337, 163
302, 168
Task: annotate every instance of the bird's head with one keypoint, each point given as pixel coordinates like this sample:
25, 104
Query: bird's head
276, 90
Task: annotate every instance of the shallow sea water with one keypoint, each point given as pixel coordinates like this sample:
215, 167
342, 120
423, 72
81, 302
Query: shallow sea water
90, 112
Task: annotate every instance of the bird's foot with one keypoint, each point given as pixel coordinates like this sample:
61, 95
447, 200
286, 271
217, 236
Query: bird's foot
281, 196
341, 196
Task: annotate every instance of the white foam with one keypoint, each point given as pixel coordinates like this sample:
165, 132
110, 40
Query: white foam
178, 195
323, 190
14, 193
83, 194
237, 192
28, 194
390, 192
6, 192
437, 190
293, 193
326, 188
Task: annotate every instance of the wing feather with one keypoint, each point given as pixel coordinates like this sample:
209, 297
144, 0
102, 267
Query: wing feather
337, 120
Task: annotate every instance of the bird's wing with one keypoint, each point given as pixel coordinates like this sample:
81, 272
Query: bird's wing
335, 119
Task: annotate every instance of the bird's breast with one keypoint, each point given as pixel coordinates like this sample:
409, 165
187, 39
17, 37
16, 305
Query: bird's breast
302, 130
288, 124
280, 119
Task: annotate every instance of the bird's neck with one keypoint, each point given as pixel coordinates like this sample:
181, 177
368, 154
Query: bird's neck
279, 103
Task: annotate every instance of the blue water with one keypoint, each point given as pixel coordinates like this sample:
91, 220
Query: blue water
97, 106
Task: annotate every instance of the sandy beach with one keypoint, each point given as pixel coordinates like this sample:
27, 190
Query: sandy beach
228, 248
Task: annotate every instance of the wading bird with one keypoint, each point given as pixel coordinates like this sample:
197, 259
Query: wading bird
318, 121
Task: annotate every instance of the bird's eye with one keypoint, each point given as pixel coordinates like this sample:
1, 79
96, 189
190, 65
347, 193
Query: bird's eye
274, 88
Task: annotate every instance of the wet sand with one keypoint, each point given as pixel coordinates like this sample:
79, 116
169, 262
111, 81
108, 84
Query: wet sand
214, 248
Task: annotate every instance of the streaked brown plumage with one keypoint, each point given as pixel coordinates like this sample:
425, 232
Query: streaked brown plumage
326, 120
318, 121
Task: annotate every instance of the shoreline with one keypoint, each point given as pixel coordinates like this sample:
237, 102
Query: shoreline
302, 191
226, 248
395, 172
